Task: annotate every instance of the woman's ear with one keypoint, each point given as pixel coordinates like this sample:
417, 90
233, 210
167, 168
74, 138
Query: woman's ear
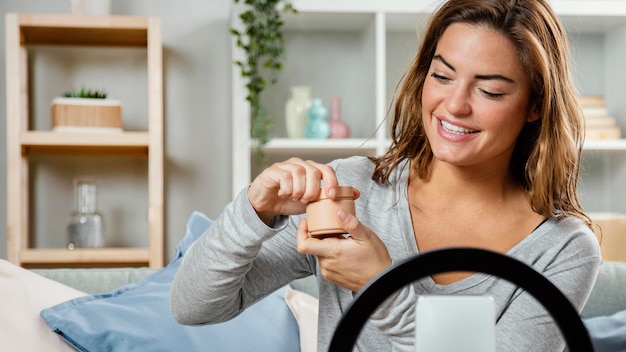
534, 114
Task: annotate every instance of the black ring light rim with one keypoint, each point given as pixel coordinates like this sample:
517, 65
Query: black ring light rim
461, 259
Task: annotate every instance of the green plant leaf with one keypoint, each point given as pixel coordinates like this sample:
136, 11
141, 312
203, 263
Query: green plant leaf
262, 41
85, 93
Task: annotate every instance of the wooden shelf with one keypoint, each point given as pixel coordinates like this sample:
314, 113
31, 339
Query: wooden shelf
48, 142
23, 30
44, 29
49, 257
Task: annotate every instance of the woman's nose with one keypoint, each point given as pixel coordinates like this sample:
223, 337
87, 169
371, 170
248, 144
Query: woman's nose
458, 101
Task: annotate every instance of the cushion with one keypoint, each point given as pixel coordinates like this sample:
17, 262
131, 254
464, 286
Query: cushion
608, 333
608, 295
24, 294
95, 280
305, 308
138, 317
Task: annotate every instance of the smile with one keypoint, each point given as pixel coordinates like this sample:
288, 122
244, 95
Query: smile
455, 129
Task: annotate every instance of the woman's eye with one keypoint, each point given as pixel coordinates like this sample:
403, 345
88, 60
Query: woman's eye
439, 77
491, 95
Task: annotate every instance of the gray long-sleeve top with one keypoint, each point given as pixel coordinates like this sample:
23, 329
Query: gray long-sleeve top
239, 260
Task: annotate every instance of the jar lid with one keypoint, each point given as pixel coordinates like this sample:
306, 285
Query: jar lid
342, 192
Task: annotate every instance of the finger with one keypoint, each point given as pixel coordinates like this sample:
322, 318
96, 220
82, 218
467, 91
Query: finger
292, 175
320, 247
302, 236
273, 182
350, 223
298, 179
328, 178
356, 193
277, 177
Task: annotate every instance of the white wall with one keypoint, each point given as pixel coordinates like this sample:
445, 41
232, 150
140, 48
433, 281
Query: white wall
196, 73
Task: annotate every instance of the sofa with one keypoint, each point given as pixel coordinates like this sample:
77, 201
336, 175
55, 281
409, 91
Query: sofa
125, 309
607, 298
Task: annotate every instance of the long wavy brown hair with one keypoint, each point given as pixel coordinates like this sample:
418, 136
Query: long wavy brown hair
546, 160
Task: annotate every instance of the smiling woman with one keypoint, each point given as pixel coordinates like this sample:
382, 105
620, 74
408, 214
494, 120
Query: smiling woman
485, 154
476, 97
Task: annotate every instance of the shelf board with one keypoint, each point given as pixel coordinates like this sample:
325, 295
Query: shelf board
366, 6
55, 257
300, 143
364, 143
608, 145
50, 142
82, 30
303, 147
590, 16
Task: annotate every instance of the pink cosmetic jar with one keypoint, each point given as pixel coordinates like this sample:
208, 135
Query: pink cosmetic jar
322, 214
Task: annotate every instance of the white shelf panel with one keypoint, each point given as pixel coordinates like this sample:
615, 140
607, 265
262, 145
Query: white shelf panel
287, 147
403, 15
295, 143
285, 144
613, 144
366, 6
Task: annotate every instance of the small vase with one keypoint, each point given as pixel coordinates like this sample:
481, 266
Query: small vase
85, 225
296, 111
318, 126
338, 128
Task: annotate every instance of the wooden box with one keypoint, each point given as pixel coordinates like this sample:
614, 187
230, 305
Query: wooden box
83, 113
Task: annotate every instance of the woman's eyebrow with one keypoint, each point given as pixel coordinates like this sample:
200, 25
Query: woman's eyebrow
481, 77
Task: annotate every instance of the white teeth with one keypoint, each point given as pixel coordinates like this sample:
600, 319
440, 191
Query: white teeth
455, 129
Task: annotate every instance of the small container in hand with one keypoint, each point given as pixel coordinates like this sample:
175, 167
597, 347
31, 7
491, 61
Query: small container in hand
322, 216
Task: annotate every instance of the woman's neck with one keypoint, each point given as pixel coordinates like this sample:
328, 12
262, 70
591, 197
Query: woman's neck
459, 183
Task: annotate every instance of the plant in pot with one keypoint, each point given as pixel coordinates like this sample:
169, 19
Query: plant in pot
86, 110
261, 38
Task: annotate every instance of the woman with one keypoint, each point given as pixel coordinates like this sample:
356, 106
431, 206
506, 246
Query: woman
486, 149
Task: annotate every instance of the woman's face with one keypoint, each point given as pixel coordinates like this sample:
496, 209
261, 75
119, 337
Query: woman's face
476, 98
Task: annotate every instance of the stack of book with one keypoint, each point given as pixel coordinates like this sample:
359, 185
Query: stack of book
598, 123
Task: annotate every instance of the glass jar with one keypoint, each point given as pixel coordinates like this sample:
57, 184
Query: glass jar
85, 227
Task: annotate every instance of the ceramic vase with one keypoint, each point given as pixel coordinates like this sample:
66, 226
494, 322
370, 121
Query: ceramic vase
317, 126
338, 128
296, 111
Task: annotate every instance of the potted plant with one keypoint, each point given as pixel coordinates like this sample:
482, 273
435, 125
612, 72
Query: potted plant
262, 41
86, 110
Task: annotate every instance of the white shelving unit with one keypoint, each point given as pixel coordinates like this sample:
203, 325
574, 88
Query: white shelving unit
358, 50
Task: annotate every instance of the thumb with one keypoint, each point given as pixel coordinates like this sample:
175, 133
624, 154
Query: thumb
350, 223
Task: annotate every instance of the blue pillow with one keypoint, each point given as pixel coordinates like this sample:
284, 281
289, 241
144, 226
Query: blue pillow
137, 317
608, 333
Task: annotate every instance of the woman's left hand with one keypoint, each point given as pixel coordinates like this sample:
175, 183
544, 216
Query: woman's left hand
348, 262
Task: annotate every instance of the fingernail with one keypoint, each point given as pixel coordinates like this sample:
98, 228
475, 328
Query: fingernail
331, 192
342, 215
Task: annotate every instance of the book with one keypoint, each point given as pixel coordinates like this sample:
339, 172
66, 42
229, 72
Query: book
591, 100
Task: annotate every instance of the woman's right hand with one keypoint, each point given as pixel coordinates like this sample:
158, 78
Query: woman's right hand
285, 188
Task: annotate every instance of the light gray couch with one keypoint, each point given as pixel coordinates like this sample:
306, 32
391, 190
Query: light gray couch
607, 297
